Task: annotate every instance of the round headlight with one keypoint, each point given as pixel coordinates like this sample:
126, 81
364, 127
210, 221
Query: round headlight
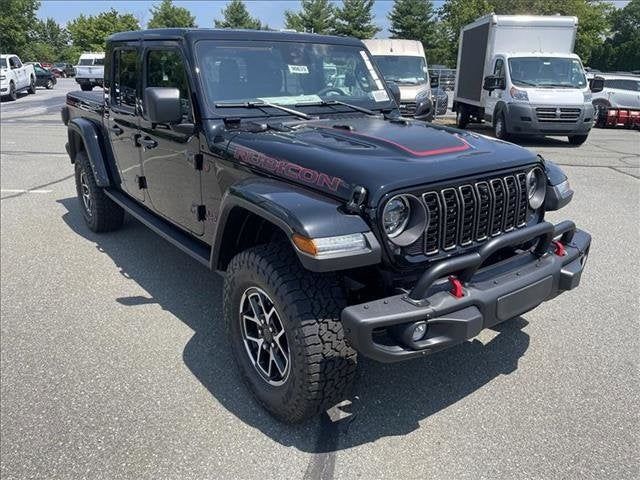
536, 187
395, 216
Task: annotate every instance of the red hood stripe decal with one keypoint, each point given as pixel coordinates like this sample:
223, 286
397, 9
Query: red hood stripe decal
418, 153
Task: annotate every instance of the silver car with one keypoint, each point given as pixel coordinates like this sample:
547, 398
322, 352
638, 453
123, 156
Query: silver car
620, 91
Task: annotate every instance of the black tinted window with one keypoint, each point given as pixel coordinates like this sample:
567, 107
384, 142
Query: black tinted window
165, 68
621, 84
123, 90
498, 71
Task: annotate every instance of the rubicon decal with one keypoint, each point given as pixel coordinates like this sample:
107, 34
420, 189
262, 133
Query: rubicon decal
284, 168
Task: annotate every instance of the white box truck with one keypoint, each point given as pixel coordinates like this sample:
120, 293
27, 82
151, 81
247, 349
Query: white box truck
519, 72
403, 62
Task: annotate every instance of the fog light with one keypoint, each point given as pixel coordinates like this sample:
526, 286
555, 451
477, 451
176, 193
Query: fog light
419, 329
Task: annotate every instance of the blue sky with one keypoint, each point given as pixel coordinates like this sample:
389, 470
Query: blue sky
270, 12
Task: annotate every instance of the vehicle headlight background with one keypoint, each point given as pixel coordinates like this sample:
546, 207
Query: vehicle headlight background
404, 219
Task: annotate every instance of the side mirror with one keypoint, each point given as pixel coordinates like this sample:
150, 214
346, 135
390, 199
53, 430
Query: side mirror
162, 105
491, 82
596, 84
395, 92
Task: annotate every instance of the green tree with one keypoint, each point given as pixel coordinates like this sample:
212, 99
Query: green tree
236, 15
49, 42
17, 22
621, 50
167, 15
89, 33
315, 16
415, 20
355, 19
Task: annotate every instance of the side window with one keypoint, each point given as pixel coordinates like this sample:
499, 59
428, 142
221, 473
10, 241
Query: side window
165, 68
123, 89
498, 70
15, 62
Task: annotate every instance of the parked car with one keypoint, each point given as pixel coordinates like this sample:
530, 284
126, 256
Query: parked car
45, 78
440, 99
15, 77
404, 63
65, 69
519, 72
621, 92
442, 76
341, 228
90, 70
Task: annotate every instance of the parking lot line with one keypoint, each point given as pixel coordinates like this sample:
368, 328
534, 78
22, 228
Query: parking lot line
9, 190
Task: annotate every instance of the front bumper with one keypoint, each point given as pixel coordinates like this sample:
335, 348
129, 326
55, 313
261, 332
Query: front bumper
490, 295
524, 119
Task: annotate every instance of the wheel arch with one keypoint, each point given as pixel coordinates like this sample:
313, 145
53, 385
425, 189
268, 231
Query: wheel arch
261, 210
83, 135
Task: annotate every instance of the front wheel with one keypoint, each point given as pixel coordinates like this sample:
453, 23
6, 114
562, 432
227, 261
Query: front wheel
49, 85
32, 87
100, 213
577, 139
500, 127
13, 95
285, 332
85, 87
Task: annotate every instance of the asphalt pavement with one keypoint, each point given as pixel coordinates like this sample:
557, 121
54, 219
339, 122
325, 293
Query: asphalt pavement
115, 364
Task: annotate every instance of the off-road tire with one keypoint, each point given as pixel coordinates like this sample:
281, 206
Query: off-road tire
577, 139
32, 87
86, 88
322, 364
103, 214
13, 95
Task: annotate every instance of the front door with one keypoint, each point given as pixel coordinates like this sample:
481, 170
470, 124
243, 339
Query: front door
495, 95
123, 120
169, 157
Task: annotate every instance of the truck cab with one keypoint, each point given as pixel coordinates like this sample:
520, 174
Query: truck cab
519, 73
15, 77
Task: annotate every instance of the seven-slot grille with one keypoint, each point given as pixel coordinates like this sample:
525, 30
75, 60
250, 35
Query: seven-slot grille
558, 114
472, 211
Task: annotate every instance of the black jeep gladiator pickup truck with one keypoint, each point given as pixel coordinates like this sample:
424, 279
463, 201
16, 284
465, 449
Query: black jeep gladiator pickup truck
281, 161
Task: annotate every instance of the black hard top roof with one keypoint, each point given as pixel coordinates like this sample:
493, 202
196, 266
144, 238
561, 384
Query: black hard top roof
194, 34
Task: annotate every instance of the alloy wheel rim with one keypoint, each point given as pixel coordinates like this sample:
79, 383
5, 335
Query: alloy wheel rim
264, 337
86, 193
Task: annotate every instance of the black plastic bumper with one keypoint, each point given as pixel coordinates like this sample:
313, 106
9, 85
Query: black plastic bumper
490, 295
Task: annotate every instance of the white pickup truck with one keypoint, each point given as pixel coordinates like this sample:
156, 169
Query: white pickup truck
90, 70
15, 77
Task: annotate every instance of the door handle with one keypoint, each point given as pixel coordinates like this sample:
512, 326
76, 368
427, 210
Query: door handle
117, 130
147, 142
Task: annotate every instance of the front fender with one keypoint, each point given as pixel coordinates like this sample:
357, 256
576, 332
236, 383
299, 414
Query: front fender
295, 210
90, 136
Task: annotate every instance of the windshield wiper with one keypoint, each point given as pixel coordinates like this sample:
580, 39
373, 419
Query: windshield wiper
262, 104
517, 80
323, 103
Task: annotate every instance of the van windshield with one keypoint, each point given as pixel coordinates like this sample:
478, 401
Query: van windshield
404, 70
287, 73
547, 72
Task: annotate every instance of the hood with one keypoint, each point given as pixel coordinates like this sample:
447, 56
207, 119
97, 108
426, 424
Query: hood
335, 155
408, 92
555, 96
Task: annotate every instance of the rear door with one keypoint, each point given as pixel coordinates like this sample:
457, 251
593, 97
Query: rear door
170, 159
123, 119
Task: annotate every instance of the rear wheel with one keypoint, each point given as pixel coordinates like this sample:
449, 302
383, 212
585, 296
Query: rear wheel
500, 127
577, 139
100, 212
49, 84
86, 88
32, 86
285, 332
462, 118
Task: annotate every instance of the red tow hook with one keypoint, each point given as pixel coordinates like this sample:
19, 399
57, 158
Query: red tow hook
559, 248
456, 287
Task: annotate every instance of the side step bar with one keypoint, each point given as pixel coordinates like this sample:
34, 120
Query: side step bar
186, 243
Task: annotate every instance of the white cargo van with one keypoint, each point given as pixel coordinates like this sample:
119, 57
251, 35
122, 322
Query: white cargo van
520, 73
403, 62
90, 70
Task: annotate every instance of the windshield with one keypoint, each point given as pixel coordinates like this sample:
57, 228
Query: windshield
286, 73
86, 61
3, 63
402, 69
547, 72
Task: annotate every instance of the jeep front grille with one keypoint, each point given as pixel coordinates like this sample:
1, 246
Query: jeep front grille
460, 215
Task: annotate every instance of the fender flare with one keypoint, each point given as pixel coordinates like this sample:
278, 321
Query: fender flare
91, 138
295, 210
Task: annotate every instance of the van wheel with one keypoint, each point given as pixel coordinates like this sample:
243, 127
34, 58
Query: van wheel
49, 85
500, 127
577, 139
32, 87
285, 332
13, 95
462, 118
100, 213
86, 88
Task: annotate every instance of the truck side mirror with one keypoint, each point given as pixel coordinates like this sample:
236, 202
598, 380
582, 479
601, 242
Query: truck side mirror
596, 84
491, 82
395, 92
162, 105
